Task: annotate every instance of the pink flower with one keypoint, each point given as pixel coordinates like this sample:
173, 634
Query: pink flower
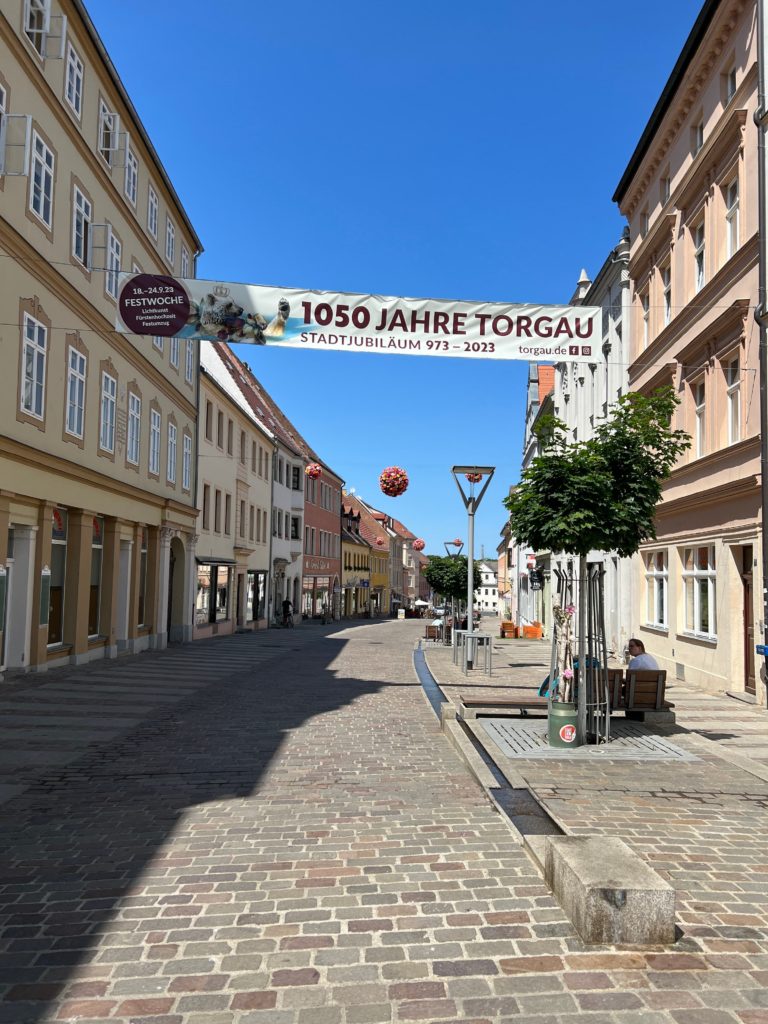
570, 609
568, 674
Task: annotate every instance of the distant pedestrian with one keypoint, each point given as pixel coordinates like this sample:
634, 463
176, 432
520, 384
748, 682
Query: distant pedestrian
638, 658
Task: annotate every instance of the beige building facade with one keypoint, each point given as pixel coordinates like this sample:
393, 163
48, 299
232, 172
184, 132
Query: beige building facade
97, 441
690, 196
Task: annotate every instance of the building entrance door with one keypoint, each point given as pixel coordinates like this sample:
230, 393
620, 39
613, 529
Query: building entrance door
749, 622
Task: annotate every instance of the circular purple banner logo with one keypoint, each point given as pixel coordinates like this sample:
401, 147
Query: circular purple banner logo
154, 304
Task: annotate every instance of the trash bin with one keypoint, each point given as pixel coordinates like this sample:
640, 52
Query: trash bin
562, 724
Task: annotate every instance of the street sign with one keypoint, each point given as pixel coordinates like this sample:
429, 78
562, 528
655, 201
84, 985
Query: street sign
762, 649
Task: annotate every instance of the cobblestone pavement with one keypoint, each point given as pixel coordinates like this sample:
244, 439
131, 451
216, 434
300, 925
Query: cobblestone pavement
281, 835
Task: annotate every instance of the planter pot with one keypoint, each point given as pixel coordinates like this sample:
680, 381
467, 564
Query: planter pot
561, 725
532, 632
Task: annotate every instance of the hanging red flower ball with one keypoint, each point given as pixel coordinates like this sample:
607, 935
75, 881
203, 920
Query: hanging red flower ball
393, 481
458, 542
419, 544
474, 478
379, 542
314, 470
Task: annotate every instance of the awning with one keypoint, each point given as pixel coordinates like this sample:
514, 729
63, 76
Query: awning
215, 561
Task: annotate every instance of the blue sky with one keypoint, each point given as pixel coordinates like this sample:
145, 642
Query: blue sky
424, 148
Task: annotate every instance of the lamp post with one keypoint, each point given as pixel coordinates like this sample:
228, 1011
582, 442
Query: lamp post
458, 545
474, 475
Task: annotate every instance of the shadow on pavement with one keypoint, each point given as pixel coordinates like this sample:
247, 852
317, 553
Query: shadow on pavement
81, 849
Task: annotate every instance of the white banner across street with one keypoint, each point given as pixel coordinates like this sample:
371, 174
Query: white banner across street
258, 315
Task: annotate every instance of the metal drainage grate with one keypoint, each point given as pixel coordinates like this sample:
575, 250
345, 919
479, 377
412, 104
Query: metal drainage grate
521, 738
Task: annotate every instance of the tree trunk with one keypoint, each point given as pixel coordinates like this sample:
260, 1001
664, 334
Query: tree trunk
582, 695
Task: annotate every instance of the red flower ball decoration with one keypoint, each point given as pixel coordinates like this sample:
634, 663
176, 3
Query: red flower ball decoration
379, 542
313, 470
458, 542
419, 544
393, 481
474, 478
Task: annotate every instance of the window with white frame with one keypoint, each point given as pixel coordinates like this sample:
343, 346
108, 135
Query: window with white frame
733, 398
152, 212
155, 423
730, 84
131, 176
171, 467
114, 254
174, 354
170, 240
666, 293
697, 137
73, 88
41, 192
700, 415
33, 367
37, 20
699, 256
189, 368
656, 584
699, 590
732, 217
133, 440
664, 187
75, 392
186, 463
108, 131
184, 261
645, 309
82, 213
158, 341
3, 100
108, 409
645, 222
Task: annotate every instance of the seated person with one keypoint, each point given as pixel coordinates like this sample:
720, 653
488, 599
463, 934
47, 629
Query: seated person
638, 659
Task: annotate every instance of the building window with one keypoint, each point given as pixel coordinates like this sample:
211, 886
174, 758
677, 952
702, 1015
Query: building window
697, 137
699, 590
82, 212
209, 421
41, 193
131, 176
254, 448
206, 506
230, 436
108, 131
645, 307
114, 254
220, 430
33, 368
730, 85
58, 577
242, 447
159, 342
645, 223
733, 398
171, 467
152, 212
700, 412
227, 514
75, 393
142, 610
108, 407
184, 261
732, 217
217, 511
174, 355
186, 464
170, 241
73, 91
189, 366
134, 429
296, 476
295, 528
251, 523
664, 188
666, 290
242, 519
699, 254
656, 581
37, 18
155, 423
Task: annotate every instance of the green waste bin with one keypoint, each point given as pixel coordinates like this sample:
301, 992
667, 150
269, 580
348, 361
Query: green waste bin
562, 728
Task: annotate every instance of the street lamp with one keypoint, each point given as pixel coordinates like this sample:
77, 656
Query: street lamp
475, 475
453, 549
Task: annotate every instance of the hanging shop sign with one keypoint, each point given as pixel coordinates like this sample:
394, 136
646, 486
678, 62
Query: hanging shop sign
257, 315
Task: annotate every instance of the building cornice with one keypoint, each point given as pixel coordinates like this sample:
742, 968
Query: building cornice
711, 462
714, 496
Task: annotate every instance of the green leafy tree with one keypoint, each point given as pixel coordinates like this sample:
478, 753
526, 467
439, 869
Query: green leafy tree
448, 576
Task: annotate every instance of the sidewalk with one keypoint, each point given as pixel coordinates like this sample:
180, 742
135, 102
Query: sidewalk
283, 836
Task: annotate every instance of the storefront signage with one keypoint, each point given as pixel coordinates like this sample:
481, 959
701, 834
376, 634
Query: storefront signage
322, 321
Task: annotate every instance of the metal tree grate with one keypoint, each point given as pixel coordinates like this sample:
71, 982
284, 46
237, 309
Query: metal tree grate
527, 738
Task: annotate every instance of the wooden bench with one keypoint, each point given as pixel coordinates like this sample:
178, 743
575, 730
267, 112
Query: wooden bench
639, 690
471, 705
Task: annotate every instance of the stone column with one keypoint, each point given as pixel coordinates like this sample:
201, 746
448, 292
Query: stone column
21, 581
125, 586
153, 578
112, 580
38, 635
190, 588
163, 579
77, 588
